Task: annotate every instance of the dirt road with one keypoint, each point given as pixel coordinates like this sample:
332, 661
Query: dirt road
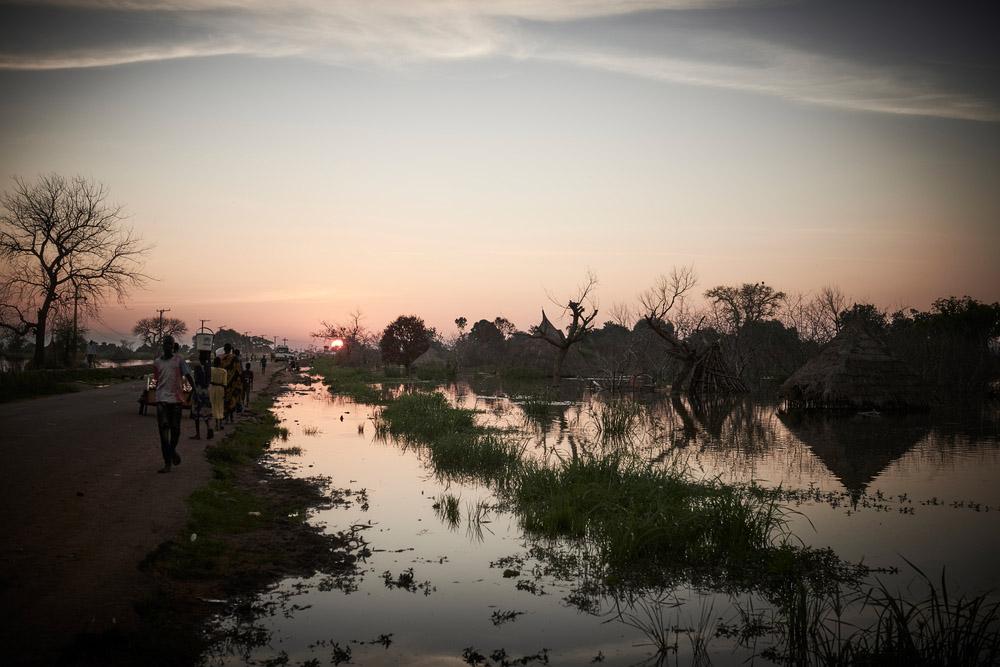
82, 505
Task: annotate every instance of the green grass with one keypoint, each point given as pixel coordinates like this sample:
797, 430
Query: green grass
640, 517
618, 419
234, 503
427, 416
355, 383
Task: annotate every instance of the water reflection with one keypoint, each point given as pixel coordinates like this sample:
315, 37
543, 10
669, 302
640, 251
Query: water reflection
856, 449
449, 538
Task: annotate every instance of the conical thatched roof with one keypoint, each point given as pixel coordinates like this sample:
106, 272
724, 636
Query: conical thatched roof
854, 370
856, 449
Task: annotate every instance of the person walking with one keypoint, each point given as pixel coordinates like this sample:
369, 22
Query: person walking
247, 384
234, 392
201, 403
263, 363
217, 393
239, 378
169, 370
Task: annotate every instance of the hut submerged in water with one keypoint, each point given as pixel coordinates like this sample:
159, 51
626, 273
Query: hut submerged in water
855, 371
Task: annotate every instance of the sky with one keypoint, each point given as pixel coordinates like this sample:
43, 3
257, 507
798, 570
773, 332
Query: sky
292, 162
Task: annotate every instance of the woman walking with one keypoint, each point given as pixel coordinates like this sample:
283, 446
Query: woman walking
234, 382
217, 393
201, 404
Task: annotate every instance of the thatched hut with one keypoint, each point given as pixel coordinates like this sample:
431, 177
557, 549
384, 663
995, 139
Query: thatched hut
855, 370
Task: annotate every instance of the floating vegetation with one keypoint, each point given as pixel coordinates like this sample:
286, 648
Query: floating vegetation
501, 616
499, 658
406, 581
287, 451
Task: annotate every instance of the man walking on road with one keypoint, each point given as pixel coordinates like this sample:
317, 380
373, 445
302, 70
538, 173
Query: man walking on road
168, 371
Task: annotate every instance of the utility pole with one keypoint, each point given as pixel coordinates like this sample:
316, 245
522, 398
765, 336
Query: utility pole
76, 300
159, 327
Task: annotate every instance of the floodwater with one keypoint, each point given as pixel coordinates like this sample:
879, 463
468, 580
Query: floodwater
875, 488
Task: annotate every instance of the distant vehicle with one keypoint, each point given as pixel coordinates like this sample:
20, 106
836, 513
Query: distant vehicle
282, 353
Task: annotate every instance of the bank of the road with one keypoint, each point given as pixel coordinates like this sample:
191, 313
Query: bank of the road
83, 507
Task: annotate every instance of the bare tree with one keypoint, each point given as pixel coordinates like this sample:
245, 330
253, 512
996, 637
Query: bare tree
580, 325
703, 369
830, 303
152, 330
622, 315
62, 242
357, 338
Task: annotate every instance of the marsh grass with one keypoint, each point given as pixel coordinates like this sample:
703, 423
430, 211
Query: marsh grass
476, 517
539, 407
619, 419
427, 416
356, 383
634, 512
931, 628
310, 430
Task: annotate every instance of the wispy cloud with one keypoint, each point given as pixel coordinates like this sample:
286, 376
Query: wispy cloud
396, 33
799, 77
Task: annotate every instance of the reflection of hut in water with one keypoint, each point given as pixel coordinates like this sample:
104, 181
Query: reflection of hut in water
856, 449
854, 370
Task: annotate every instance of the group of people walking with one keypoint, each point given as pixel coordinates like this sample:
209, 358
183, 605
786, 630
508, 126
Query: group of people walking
220, 389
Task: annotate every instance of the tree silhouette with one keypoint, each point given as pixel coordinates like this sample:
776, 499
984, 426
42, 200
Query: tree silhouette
62, 244
580, 325
152, 329
405, 339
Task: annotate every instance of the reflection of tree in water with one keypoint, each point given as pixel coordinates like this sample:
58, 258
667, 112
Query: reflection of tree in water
856, 449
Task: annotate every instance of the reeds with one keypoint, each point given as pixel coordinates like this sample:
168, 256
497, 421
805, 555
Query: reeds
934, 628
426, 416
618, 419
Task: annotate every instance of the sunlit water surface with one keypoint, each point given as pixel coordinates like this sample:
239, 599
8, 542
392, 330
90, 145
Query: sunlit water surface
884, 488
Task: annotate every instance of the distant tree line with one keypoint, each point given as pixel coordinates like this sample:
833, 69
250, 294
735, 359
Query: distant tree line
749, 335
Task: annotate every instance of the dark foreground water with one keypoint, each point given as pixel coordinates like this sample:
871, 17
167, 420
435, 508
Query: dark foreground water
877, 489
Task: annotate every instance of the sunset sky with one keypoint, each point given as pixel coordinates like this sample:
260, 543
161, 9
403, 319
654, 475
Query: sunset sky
292, 161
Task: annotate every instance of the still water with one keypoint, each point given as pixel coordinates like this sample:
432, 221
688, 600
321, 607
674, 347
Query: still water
875, 488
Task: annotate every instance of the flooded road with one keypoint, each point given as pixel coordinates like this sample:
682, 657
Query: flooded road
450, 579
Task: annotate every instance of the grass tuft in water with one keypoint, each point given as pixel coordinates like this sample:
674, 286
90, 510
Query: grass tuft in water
446, 508
618, 419
427, 416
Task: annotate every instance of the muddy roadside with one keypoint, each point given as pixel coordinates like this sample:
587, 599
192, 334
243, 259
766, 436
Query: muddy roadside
246, 528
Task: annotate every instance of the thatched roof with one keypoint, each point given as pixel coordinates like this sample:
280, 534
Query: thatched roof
431, 357
854, 370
